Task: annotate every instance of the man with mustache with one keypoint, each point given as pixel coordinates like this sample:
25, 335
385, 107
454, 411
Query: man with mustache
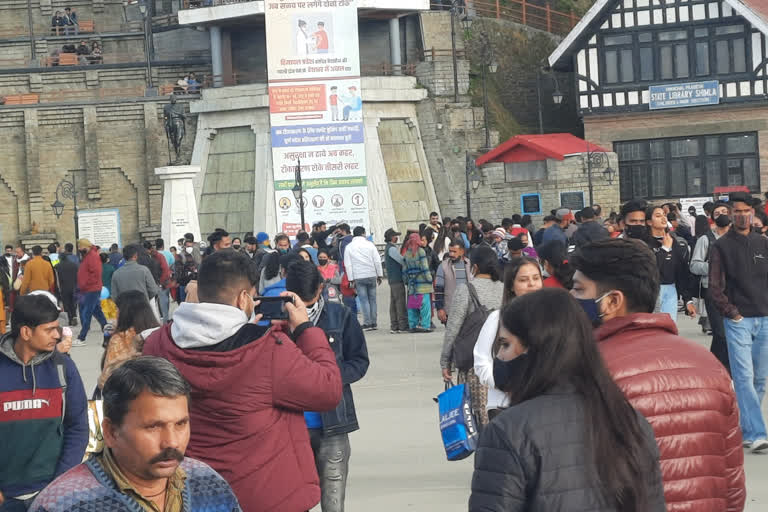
142, 467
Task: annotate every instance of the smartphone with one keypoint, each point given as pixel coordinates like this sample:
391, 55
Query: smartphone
272, 308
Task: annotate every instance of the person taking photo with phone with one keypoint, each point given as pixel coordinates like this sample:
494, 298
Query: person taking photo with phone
329, 431
251, 385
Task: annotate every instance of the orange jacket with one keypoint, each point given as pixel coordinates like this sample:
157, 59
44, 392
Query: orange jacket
38, 275
687, 397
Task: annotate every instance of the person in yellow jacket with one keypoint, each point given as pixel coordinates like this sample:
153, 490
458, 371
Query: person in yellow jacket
38, 273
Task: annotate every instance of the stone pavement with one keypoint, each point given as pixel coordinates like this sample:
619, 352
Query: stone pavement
398, 462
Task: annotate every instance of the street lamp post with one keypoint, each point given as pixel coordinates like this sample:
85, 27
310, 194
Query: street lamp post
473, 181
454, 13
145, 12
557, 96
488, 64
597, 158
298, 192
66, 189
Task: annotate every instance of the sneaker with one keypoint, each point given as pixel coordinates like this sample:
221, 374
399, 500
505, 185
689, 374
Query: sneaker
365, 327
759, 446
394, 331
78, 343
374, 327
746, 444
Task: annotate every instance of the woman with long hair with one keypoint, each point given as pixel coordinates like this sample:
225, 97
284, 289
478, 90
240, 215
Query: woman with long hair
135, 321
701, 226
521, 276
554, 258
442, 242
489, 289
570, 440
419, 283
474, 234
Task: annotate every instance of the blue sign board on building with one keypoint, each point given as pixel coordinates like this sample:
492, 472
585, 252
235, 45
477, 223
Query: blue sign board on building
530, 204
694, 94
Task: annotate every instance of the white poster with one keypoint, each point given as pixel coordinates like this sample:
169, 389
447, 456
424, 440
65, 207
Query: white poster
316, 112
696, 202
101, 227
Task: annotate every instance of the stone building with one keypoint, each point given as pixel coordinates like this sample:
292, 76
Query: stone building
677, 90
541, 173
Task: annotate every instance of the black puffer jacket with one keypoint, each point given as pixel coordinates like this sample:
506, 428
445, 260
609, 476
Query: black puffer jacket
533, 458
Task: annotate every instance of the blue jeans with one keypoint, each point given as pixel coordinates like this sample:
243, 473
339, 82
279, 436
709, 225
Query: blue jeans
366, 292
90, 305
422, 315
351, 303
163, 303
748, 356
14, 505
668, 295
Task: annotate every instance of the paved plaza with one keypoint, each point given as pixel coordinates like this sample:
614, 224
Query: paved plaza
398, 462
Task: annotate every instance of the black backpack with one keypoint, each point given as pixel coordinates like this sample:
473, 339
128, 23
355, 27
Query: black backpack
464, 345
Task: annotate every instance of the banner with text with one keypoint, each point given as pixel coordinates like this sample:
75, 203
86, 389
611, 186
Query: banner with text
316, 112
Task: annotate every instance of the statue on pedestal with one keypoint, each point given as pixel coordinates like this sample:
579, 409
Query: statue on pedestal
173, 115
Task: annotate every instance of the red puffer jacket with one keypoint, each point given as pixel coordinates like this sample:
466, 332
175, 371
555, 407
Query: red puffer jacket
246, 410
688, 398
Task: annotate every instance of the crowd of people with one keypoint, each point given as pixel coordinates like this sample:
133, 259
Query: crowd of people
65, 23
565, 335
86, 54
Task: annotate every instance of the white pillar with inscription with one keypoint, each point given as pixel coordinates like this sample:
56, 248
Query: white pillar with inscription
179, 205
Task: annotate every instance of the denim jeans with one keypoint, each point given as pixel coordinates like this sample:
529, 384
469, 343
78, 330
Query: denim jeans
14, 505
351, 303
90, 305
668, 296
366, 292
748, 355
332, 461
164, 302
422, 315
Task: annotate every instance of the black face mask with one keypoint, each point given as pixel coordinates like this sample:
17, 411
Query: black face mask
722, 221
236, 247
757, 230
636, 231
507, 374
322, 262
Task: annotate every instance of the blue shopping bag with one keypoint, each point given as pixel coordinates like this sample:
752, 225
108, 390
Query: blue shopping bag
458, 425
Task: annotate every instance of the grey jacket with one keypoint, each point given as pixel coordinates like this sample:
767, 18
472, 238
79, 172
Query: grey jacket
134, 277
699, 265
488, 292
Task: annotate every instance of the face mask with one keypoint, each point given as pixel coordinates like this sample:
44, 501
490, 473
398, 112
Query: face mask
282, 251
592, 308
236, 247
722, 221
188, 250
455, 229
506, 374
742, 221
757, 230
322, 262
636, 231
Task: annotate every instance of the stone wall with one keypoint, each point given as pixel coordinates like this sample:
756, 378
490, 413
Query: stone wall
13, 14
111, 149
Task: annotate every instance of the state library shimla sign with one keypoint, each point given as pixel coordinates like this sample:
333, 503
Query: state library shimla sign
693, 94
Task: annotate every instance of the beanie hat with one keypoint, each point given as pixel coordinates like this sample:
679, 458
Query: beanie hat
84, 243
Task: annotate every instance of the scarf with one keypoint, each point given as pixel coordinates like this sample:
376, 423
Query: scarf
315, 310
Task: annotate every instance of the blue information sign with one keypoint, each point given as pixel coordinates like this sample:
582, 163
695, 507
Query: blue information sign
530, 204
693, 94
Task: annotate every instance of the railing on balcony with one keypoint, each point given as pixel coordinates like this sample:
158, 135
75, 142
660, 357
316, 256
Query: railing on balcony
518, 11
387, 69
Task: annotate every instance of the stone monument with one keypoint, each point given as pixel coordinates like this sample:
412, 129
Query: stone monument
179, 205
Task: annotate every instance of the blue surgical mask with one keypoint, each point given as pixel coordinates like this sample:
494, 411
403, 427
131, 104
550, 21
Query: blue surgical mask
592, 308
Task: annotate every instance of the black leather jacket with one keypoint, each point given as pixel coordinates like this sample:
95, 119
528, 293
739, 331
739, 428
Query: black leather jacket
348, 343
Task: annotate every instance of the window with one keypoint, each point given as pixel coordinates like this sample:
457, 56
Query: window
690, 166
685, 53
525, 171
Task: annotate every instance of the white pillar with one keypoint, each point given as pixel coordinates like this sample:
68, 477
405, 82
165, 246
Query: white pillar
394, 45
216, 58
179, 206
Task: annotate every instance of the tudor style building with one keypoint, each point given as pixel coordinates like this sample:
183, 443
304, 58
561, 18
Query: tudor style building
678, 90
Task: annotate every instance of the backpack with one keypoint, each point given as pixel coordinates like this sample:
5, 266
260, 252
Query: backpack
464, 345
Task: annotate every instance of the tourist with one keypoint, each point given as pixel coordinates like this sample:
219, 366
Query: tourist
39, 443
590, 229
273, 373
487, 290
66, 278
146, 429
115, 257
452, 273
554, 261
556, 231
107, 271
362, 264
521, 276
418, 285
668, 379
70, 18
132, 276
89, 285
394, 263
738, 284
569, 439
38, 273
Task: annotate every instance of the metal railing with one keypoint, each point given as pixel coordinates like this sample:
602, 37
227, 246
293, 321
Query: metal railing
518, 11
387, 69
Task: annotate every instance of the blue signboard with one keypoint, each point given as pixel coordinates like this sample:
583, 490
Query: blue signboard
693, 94
530, 204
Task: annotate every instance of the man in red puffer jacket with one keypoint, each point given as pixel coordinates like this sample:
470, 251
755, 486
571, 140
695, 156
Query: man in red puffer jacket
250, 386
89, 283
678, 385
